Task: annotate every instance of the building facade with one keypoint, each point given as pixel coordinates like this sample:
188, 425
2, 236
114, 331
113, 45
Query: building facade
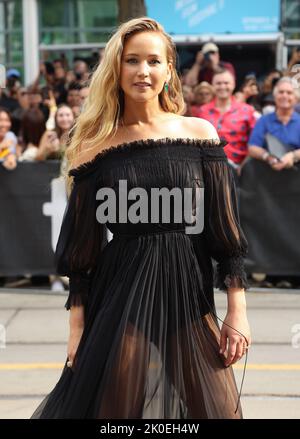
38, 30
34, 30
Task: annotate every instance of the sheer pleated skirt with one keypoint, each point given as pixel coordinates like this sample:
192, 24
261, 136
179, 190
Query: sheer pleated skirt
150, 347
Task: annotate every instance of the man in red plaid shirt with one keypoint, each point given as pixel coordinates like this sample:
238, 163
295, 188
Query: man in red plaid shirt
233, 120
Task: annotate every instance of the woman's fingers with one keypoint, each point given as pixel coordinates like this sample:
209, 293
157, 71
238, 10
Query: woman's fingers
223, 342
231, 351
239, 351
236, 350
71, 359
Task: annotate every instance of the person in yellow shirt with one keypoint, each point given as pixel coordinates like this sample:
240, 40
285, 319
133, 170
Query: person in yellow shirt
7, 141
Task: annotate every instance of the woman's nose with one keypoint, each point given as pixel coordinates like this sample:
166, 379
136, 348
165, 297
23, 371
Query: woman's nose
143, 68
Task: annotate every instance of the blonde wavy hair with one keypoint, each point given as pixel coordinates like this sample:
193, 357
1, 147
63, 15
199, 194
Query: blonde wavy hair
104, 105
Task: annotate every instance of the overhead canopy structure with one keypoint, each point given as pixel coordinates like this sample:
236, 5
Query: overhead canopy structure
190, 22
194, 17
226, 22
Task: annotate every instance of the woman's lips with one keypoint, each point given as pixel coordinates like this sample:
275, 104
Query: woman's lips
142, 85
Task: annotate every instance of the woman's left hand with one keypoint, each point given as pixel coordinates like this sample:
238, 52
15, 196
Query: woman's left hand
236, 341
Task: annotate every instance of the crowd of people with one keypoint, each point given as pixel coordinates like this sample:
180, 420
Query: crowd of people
35, 121
245, 115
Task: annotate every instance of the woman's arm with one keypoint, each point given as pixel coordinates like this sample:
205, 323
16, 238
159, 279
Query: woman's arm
227, 246
236, 300
76, 318
76, 327
235, 331
79, 244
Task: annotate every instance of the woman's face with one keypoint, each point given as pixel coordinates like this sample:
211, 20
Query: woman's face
23, 97
144, 60
64, 118
5, 124
59, 72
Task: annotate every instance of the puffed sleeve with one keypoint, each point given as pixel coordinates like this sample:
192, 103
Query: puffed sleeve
80, 240
226, 241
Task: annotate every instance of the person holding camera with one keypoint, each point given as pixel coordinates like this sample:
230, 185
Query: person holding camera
81, 70
54, 140
45, 76
207, 62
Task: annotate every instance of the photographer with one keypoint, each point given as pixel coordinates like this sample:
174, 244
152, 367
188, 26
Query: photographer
45, 77
53, 142
81, 70
206, 64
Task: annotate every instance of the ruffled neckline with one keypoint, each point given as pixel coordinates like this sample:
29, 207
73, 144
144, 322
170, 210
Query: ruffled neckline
142, 144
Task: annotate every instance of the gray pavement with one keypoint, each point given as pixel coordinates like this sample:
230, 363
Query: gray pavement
35, 326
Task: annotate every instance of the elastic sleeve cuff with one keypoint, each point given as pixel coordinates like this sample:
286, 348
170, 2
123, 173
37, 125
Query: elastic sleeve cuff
230, 273
79, 284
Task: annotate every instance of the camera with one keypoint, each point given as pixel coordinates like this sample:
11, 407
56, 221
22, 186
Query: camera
49, 68
45, 93
78, 75
207, 55
274, 81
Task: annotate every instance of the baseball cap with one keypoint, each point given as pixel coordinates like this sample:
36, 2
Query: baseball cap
13, 72
209, 47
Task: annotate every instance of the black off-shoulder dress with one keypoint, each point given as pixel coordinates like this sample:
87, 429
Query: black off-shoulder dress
150, 346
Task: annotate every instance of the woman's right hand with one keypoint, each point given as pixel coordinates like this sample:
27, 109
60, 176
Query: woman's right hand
10, 162
73, 342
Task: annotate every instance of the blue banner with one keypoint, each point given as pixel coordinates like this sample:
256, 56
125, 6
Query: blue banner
193, 17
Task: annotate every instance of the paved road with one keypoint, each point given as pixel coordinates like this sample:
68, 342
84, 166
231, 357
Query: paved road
36, 327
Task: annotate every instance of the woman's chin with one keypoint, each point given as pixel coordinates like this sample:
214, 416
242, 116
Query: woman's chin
140, 99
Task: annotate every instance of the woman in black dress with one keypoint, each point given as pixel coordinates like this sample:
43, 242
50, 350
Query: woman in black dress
144, 336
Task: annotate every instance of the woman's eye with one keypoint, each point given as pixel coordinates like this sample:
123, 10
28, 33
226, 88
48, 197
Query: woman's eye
132, 60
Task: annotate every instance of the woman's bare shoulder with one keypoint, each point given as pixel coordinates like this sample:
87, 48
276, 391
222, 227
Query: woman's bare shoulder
200, 128
87, 153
